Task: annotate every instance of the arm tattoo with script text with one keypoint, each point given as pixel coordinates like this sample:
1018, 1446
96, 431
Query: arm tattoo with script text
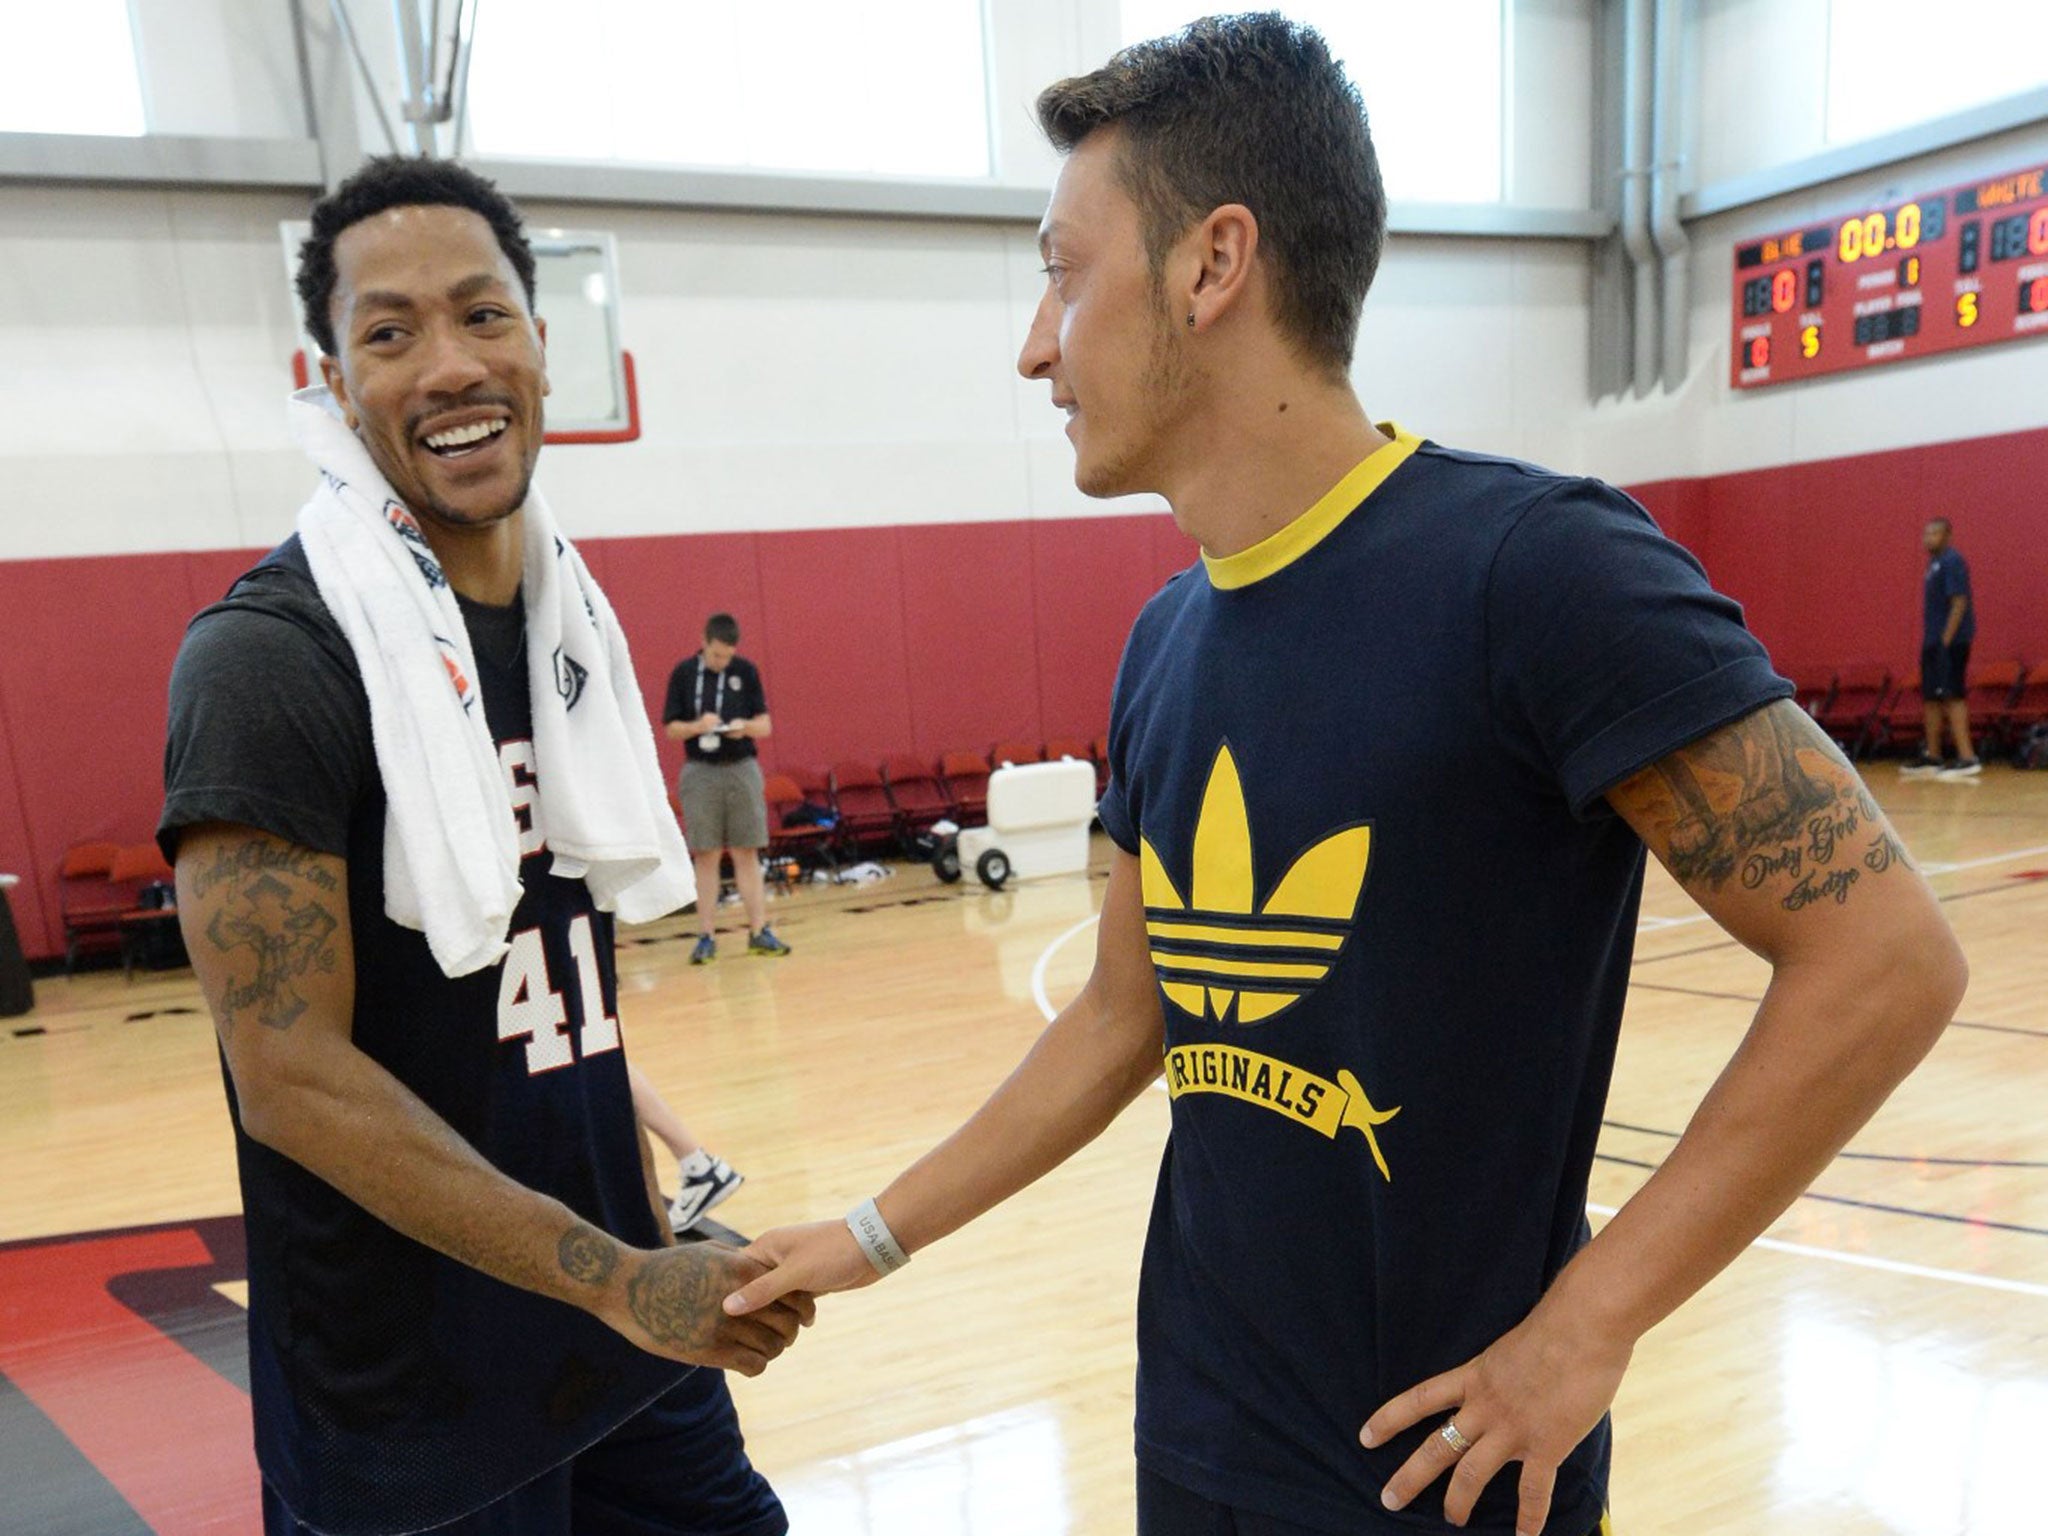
278, 909
1771, 803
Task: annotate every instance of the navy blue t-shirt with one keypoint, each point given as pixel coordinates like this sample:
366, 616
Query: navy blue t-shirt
394, 1388
1361, 765
1948, 576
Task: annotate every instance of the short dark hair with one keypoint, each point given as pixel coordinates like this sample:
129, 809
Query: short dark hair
1246, 109
1942, 523
400, 181
723, 628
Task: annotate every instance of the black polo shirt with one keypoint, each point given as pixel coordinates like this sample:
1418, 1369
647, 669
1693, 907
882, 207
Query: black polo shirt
695, 690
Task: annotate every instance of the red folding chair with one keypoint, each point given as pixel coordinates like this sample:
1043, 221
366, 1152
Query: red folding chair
146, 931
1994, 690
920, 799
1900, 722
89, 902
1015, 752
861, 802
1814, 692
966, 776
1862, 690
2029, 704
805, 842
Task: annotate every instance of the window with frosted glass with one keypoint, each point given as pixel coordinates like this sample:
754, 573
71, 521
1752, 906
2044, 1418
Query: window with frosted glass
1435, 110
792, 85
1886, 71
68, 66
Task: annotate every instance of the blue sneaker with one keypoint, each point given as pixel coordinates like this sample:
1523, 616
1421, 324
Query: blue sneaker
706, 950
765, 943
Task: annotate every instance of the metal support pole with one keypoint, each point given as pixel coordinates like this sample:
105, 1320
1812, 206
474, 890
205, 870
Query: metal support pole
415, 60
1666, 230
1635, 191
338, 9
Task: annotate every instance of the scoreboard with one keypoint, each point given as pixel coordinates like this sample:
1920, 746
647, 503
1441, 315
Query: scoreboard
1962, 267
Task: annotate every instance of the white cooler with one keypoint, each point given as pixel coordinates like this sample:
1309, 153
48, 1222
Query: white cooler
1038, 817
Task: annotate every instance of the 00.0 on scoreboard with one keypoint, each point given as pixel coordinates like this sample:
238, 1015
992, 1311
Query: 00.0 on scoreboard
1966, 266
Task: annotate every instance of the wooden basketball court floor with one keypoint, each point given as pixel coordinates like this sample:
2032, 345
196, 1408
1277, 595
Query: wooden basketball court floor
1878, 1364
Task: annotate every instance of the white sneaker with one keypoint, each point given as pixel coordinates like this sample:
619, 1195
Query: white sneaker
1968, 769
707, 1180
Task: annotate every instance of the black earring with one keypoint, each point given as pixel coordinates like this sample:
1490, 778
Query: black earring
1191, 319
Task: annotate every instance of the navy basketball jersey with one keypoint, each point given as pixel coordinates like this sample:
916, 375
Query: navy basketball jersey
394, 1388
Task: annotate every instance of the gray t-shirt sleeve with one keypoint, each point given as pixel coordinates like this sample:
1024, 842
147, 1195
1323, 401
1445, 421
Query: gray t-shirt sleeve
269, 726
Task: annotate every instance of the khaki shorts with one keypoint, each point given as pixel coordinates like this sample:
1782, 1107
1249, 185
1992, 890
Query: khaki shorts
723, 806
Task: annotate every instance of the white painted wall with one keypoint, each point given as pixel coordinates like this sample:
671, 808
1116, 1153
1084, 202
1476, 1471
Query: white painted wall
225, 68
815, 371
1549, 112
1756, 86
793, 371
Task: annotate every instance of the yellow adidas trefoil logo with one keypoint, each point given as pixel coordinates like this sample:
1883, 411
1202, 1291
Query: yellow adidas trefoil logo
1221, 947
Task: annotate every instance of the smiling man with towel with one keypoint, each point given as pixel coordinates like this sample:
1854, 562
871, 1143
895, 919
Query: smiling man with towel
410, 785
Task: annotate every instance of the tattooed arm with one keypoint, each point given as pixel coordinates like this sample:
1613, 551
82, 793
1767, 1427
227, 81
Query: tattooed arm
267, 926
1770, 830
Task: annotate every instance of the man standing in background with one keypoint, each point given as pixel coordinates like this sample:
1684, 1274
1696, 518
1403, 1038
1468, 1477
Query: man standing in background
1949, 624
717, 709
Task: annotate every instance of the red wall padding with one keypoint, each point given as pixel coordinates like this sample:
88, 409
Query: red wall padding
85, 653
833, 657
663, 590
1826, 557
870, 641
970, 637
876, 640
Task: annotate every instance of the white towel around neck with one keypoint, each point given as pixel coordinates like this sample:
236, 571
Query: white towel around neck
451, 838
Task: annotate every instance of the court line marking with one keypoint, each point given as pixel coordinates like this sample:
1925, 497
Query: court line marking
1998, 858
1773, 1244
1038, 993
1871, 1261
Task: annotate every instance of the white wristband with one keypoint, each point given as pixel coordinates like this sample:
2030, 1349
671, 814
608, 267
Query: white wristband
875, 1238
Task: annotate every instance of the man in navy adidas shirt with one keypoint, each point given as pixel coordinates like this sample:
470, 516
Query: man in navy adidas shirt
1384, 766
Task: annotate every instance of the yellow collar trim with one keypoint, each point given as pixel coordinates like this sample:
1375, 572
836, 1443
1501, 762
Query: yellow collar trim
1279, 550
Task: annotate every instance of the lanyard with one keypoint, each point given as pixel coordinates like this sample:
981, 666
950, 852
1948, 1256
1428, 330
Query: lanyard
717, 693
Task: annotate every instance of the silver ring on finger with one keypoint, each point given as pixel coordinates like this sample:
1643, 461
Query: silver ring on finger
1454, 1437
